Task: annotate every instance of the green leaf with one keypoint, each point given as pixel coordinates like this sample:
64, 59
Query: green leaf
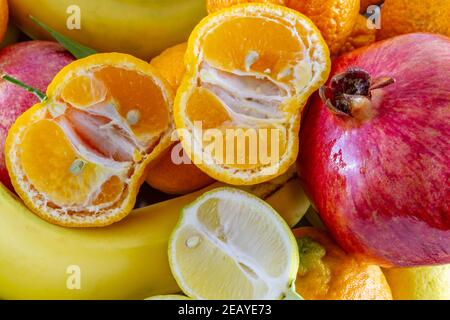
77, 50
42, 97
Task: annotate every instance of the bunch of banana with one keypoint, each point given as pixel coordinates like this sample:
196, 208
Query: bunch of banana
142, 28
127, 260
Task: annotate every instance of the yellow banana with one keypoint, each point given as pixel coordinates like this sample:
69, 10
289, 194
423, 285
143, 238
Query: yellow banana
127, 260
139, 27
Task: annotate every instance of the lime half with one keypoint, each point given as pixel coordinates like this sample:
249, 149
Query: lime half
230, 244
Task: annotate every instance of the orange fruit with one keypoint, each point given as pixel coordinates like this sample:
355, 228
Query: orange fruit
408, 16
175, 178
216, 5
170, 64
326, 272
250, 70
78, 158
362, 35
3, 18
163, 173
334, 18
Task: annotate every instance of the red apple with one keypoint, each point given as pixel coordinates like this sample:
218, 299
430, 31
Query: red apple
34, 63
375, 156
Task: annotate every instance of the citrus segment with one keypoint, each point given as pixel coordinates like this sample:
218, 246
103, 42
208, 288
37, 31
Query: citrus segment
249, 67
78, 158
83, 91
205, 107
235, 243
256, 53
138, 99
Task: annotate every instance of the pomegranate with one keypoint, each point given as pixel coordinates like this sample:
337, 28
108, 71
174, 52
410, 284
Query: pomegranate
34, 63
375, 151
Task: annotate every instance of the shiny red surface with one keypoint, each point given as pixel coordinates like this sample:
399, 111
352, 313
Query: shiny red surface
382, 187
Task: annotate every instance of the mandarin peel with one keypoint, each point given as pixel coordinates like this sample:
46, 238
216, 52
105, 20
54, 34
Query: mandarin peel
215, 69
92, 155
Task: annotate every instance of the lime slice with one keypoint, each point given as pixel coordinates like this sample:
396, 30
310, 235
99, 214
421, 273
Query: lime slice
169, 297
229, 244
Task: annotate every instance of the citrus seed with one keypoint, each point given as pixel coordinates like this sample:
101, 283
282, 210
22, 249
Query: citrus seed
133, 117
193, 242
77, 166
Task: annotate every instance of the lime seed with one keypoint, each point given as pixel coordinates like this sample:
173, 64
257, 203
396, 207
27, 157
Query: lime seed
193, 242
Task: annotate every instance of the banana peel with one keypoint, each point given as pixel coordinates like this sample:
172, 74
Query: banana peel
127, 260
140, 28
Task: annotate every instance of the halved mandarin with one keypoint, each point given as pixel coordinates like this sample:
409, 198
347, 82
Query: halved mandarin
79, 158
250, 70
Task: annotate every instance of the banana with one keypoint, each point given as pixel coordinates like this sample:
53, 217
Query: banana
140, 27
127, 260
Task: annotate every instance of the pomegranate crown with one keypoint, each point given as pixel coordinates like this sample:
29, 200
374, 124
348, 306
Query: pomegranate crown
351, 91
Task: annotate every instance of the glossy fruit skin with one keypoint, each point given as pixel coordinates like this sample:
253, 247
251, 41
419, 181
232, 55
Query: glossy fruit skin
420, 283
382, 186
140, 28
34, 63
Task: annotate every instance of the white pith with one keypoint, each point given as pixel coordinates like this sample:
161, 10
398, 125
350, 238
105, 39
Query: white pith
265, 285
245, 93
113, 133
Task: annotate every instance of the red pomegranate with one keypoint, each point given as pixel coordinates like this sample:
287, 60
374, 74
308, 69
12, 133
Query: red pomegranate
375, 151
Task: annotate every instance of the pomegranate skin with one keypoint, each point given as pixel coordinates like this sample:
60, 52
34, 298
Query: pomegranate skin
34, 63
381, 185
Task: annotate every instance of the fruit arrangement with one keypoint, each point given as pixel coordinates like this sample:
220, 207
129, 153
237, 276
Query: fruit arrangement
224, 149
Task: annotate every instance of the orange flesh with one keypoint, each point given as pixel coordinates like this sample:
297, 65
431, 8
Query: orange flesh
276, 48
49, 170
233, 83
88, 150
122, 86
205, 107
